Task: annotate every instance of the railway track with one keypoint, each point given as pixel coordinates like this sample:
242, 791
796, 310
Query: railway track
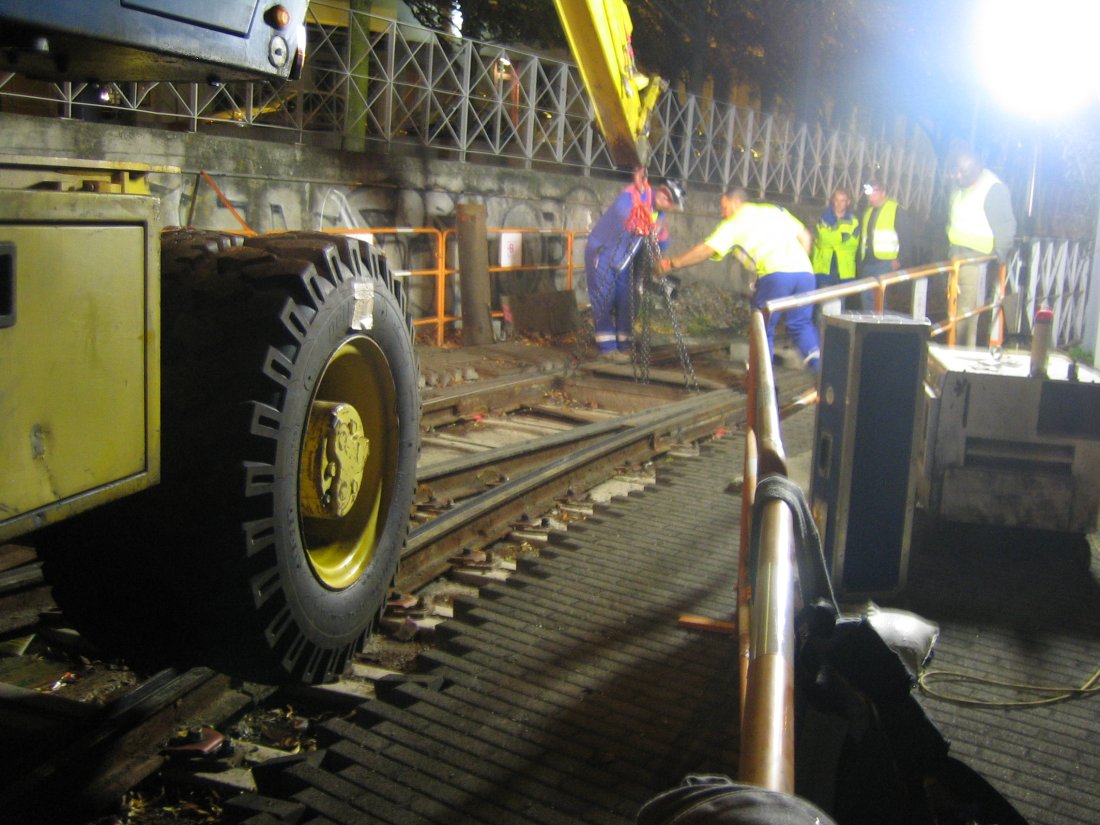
506, 464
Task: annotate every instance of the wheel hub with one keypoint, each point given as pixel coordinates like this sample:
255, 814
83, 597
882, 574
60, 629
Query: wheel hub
348, 462
336, 452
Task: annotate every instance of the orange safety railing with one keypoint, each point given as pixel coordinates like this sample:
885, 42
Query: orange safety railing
918, 276
441, 271
566, 264
438, 271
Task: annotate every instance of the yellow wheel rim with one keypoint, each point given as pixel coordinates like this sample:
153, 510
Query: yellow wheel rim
340, 541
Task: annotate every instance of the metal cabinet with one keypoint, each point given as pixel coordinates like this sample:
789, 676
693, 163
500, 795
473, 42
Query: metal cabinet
79, 352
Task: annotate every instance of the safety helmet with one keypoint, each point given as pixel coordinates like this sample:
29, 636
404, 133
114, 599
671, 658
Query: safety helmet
675, 191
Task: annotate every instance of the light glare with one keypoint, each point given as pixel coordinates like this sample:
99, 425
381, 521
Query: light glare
1040, 62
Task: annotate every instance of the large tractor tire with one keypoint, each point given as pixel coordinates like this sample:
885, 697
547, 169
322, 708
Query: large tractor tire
290, 433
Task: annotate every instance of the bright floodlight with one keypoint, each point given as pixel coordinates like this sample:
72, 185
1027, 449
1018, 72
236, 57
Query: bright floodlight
1039, 59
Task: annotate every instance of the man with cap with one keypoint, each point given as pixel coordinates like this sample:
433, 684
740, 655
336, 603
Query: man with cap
884, 242
773, 243
614, 244
980, 222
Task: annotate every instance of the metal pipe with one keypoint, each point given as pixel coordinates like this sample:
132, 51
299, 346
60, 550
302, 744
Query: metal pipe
879, 283
767, 726
744, 587
953, 303
765, 409
757, 344
766, 594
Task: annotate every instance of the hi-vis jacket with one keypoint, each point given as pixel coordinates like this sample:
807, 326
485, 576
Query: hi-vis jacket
885, 245
764, 237
836, 239
967, 224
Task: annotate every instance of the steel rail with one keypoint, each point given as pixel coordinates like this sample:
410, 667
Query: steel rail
461, 477
489, 516
499, 394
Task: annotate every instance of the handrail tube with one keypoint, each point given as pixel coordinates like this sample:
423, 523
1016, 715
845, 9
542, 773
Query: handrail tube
748, 495
767, 727
766, 594
854, 287
766, 412
880, 283
744, 586
953, 305
441, 286
766, 598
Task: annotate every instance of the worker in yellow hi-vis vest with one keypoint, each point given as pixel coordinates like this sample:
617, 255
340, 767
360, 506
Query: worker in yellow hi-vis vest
980, 222
836, 243
771, 242
884, 243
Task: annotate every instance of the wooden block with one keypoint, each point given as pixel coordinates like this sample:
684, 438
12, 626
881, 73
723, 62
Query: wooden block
546, 313
709, 625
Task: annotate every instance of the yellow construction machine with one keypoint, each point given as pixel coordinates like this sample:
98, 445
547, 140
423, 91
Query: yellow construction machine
232, 422
599, 35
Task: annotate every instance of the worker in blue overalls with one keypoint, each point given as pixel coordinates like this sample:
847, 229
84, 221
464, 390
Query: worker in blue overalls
614, 244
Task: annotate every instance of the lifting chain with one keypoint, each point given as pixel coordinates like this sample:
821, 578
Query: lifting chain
642, 307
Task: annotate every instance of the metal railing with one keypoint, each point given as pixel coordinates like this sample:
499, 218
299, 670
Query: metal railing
374, 81
1038, 272
398, 245
917, 278
1056, 273
766, 598
440, 269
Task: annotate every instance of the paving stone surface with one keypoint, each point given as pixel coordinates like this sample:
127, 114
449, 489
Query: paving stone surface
571, 694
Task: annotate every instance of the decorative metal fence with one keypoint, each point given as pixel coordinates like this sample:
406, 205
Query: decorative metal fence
377, 82
371, 80
1055, 273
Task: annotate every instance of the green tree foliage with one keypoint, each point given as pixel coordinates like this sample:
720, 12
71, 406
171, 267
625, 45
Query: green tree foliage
870, 64
821, 60
689, 41
533, 23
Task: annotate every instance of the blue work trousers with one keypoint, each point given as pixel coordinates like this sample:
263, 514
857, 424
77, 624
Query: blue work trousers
610, 275
800, 322
868, 267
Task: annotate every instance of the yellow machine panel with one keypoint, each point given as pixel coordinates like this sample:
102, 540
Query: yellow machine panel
79, 353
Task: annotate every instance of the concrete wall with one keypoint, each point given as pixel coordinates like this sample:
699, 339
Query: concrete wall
289, 186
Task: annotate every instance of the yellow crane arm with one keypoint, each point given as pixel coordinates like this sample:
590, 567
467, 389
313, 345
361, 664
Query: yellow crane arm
599, 36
